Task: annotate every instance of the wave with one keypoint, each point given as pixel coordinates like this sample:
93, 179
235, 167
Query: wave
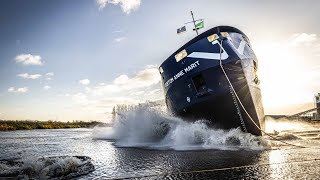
60, 167
150, 128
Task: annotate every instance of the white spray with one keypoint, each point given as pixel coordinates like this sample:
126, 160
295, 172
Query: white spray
150, 128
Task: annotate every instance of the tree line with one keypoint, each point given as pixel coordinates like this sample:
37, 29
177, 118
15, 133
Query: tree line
11, 125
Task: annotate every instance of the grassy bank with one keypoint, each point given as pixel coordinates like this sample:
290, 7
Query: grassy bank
10, 125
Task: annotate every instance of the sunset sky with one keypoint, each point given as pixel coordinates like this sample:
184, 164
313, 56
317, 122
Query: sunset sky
75, 60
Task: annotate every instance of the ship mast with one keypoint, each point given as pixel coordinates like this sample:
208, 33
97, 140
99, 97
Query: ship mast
194, 23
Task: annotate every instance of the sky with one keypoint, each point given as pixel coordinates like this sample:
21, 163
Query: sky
75, 60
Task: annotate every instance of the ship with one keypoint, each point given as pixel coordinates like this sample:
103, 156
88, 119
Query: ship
213, 77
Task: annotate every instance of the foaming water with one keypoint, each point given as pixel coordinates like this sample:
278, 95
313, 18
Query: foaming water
290, 130
63, 167
149, 128
285, 125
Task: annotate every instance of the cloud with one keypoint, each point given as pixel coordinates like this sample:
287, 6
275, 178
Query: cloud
103, 90
28, 59
118, 31
303, 39
317, 50
18, 90
127, 6
29, 76
297, 53
50, 74
46, 87
80, 98
84, 82
102, 3
146, 77
11, 89
108, 103
142, 79
305, 44
120, 39
99, 99
154, 91
122, 79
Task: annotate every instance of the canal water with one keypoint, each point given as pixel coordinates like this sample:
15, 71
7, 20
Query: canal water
151, 145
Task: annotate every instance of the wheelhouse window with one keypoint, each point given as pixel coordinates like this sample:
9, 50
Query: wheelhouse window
181, 55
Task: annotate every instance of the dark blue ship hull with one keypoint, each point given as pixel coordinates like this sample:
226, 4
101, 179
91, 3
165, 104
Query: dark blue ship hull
196, 87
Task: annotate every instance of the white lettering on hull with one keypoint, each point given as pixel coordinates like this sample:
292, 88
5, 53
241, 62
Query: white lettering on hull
205, 55
182, 73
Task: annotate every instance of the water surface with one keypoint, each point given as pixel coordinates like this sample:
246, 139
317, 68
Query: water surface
151, 150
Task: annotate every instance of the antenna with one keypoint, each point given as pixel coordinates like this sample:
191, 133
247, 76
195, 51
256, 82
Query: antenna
194, 23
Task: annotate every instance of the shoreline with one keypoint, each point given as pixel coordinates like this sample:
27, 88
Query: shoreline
13, 125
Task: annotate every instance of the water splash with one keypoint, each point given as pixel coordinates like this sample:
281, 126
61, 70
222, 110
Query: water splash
62, 167
285, 125
289, 130
149, 128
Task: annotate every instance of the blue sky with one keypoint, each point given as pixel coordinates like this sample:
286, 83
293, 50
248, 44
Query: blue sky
66, 60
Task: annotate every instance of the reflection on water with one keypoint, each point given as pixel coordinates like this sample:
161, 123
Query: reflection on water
276, 157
